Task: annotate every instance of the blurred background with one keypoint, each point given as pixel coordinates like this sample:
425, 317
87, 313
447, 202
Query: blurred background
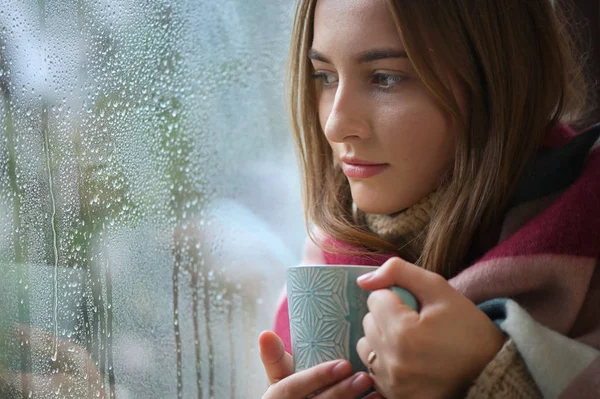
586, 30
149, 196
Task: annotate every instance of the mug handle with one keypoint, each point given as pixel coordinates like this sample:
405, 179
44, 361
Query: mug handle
407, 298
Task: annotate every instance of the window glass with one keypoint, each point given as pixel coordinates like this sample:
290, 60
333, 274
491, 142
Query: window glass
149, 197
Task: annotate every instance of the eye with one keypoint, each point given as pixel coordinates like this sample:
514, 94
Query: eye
386, 81
325, 79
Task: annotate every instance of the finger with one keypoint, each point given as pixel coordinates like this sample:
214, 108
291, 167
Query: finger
37, 383
49, 383
26, 334
351, 387
370, 328
40, 341
69, 357
374, 395
423, 284
277, 362
385, 304
309, 381
363, 348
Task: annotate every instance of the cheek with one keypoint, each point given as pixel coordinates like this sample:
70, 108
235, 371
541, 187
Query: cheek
414, 123
324, 104
324, 111
419, 136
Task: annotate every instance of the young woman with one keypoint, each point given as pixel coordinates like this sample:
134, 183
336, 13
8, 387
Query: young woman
433, 139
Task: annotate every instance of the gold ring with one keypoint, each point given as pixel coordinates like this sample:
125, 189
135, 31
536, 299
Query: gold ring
371, 358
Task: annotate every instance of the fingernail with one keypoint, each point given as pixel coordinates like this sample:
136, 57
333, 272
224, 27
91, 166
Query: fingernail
341, 369
365, 277
361, 382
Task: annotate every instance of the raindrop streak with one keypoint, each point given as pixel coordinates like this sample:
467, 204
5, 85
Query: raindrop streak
177, 329
109, 332
195, 301
210, 354
232, 350
54, 235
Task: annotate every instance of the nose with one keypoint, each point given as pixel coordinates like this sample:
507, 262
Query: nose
346, 119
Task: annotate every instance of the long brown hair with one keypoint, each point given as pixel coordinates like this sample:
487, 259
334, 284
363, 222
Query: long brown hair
518, 66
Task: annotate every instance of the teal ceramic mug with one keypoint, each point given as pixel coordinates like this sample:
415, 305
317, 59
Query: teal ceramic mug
326, 308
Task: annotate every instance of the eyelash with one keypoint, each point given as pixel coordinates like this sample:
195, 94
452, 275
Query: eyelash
322, 76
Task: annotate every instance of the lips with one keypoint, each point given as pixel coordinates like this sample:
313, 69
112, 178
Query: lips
359, 169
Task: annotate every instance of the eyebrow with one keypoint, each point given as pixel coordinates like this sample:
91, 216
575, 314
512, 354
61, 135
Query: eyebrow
364, 57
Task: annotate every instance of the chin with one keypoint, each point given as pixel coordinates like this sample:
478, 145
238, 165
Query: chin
371, 207
374, 203
371, 197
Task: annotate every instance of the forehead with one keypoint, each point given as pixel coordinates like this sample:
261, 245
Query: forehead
354, 25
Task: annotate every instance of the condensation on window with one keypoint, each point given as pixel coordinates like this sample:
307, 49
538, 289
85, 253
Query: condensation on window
149, 197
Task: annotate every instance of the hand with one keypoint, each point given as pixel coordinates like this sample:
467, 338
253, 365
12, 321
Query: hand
327, 380
75, 374
435, 353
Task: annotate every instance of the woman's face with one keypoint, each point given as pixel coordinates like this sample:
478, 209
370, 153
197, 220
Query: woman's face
392, 140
